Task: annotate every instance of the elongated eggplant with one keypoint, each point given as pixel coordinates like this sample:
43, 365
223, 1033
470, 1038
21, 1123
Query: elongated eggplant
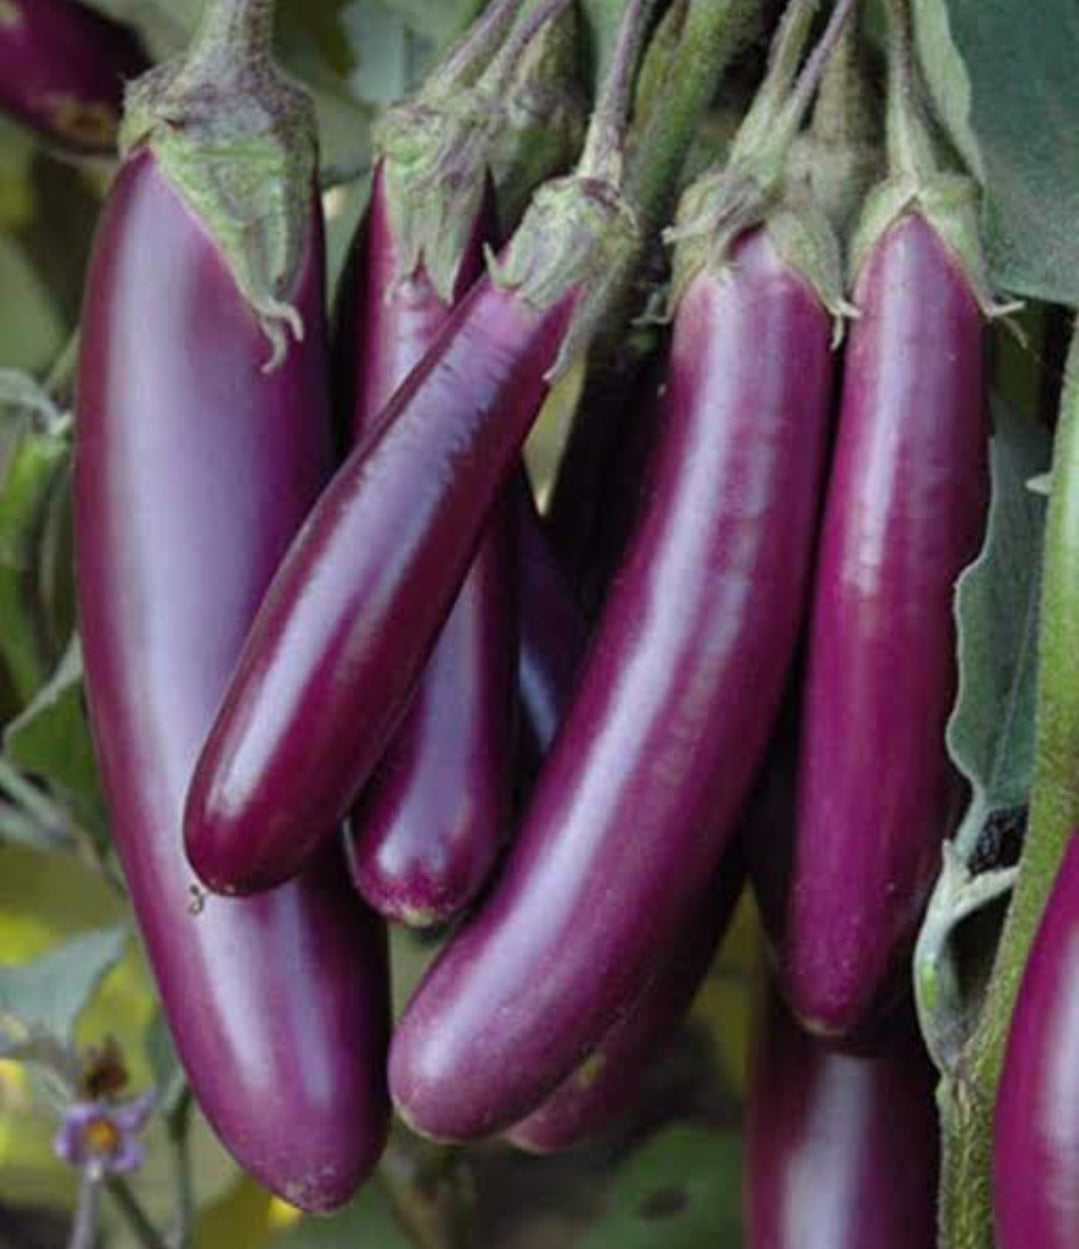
62, 72
645, 780
194, 466
602, 1089
1036, 1126
841, 1152
554, 633
877, 793
357, 606
429, 826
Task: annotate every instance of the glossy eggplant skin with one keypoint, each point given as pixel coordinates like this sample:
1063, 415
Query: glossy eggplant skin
429, 826
646, 778
354, 612
1036, 1126
602, 1089
554, 633
193, 469
905, 513
62, 72
841, 1152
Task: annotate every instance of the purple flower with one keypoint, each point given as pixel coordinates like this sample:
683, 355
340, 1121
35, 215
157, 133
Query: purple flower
102, 1138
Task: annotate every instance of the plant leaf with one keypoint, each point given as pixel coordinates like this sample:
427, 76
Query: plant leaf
1003, 79
991, 731
51, 739
680, 1189
41, 1000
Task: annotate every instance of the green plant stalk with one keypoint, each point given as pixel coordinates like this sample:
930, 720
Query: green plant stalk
178, 1127
967, 1102
711, 32
134, 1215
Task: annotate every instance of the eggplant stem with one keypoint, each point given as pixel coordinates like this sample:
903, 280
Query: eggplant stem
604, 154
231, 35
499, 74
910, 150
468, 58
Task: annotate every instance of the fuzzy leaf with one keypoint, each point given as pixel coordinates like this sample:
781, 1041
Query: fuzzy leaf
680, 1190
51, 739
1003, 79
40, 1001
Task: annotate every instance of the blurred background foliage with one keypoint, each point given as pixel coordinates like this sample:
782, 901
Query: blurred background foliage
1000, 75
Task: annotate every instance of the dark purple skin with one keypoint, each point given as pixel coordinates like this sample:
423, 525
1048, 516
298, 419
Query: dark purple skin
357, 606
554, 632
604, 1087
429, 826
1036, 1128
62, 72
905, 513
841, 1152
645, 780
193, 469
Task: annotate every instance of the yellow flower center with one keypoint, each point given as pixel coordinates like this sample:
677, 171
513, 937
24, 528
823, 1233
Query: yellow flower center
102, 1137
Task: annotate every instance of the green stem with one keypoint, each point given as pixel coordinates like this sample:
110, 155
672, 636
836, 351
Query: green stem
45, 814
134, 1215
910, 150
710, 35
84, 1227
464, 63
604, 145
231, 33
498, 76
177, 1125
967, 1103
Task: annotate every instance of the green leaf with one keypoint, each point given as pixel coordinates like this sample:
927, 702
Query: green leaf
51, 739
1013, 112
680, 1190
44, 997
991, 731
368, 1220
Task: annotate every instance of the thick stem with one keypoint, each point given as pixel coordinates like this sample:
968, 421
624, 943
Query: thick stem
134, 1215
710, 35
499, 74
966, 1198
84, 1228
910, 150
604, 146
231, 35
465, 62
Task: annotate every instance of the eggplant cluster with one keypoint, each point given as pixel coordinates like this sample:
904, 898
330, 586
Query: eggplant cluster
316, 673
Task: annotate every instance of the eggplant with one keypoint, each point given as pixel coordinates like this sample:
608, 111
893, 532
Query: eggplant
602, 1088
842, 1152
905, 513
354, 612
1036, 1122
62, 72
647, 776
195, 464
428, 827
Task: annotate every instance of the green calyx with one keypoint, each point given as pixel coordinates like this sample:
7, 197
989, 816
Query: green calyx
238, 142
949, 202
577, 240
515, 125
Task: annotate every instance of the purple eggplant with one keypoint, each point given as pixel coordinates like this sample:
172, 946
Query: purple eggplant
602, 1089
429, 825
1036, 1127
905, 512
554, 633
194, 466
647, 775
62, 72
354, 612
841, 1152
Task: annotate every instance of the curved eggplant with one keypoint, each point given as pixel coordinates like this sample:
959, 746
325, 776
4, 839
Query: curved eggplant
1036, 1127
428, 827
193, 469
645, 781
841, 1152
603, 1087
905, 511
62, 72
